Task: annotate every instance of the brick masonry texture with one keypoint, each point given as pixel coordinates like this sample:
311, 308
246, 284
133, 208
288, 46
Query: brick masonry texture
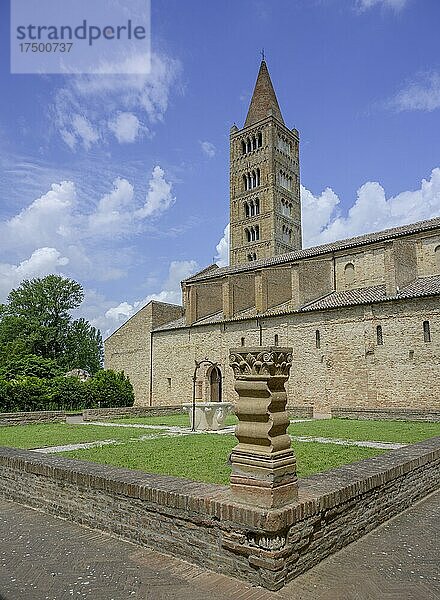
25, 418
201, 524
100, 414
401, 414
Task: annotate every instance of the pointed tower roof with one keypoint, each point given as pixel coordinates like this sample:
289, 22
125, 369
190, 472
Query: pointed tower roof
264, 99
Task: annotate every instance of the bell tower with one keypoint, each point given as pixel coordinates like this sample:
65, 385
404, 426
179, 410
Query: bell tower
265, 209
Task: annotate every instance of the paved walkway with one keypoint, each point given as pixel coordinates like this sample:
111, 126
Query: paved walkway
44, 558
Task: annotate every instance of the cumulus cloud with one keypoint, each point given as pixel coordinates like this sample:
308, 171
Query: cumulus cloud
42, 261
77, 232
222, 248
323, 221
393, 4
46, 221
126, 127
113, 213
85, 107
372, 210
208, 148
423, 94
159, 197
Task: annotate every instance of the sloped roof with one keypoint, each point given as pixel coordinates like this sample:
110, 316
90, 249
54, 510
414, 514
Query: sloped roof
360, 240
423, 286
264, 99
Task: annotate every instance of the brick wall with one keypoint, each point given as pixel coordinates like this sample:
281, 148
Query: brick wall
100, 414
26, 418
393, 414
349, 368
200, 523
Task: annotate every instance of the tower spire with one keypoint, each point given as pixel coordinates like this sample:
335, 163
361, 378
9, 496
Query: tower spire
264, 100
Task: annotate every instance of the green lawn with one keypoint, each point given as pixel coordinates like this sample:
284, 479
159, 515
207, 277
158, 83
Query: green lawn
58, 434
203, 457
378, 431
181, 420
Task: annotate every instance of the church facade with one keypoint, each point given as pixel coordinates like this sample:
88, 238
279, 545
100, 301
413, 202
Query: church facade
362, 314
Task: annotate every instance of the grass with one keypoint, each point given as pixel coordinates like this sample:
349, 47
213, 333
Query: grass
181, 420
377, 431
59, 434
203, 457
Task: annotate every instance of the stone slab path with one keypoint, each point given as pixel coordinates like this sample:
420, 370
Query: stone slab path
44, 558
166, 430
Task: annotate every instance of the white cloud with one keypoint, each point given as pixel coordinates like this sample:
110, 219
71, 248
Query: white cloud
372, 210
84, 109
43, 261
394, 4
113, 213
208, 148
126, 127
421, 95
159, 197
83, 130
46, 221
222, 248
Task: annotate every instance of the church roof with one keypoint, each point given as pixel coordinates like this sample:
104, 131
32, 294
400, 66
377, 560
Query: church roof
264, 100
420, 287
346, 244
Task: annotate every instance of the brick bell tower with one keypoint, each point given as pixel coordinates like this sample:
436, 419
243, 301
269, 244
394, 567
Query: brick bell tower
265, 209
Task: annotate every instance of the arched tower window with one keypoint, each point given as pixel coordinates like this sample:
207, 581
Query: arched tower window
276, 339
246, 209
242, 341
257, 206
257, 232
260, 139
243, 147
349, 274
426, 331
379, 335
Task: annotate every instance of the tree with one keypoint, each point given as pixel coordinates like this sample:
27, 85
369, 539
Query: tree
37, 320
42, 308
84, 349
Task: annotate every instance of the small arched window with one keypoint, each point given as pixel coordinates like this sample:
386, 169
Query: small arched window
248, 234
379, 335
257, 206
260, 139
257, 232
242, 341
317, 339
246, 209
426, 331
349, 274
243, 147
276, 339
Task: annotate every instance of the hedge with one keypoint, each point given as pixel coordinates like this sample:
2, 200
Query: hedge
106, 389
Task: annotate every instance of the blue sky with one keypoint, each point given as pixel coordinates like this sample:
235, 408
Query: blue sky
121, 182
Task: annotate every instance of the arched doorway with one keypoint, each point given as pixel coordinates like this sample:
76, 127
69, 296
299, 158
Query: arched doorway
215, 384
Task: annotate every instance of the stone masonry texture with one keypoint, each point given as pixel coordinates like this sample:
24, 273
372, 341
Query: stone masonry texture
201, 523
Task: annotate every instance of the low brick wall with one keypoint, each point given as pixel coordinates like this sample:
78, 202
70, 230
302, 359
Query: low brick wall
393, 414
26, 418
101, 414
300, 412
200, 523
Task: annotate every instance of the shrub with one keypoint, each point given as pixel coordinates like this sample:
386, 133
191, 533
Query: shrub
69, 393
109, 389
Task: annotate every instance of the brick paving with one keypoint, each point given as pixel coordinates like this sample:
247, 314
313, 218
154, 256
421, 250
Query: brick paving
44, 558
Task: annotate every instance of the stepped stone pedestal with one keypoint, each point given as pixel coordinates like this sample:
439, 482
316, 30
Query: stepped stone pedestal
263, 462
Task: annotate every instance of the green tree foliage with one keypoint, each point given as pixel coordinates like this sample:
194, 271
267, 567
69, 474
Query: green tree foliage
106, 389
37, 320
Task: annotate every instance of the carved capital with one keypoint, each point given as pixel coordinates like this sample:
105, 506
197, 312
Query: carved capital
260, 362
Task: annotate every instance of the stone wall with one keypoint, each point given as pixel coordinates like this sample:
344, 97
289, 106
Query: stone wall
201, 524
128, 349
348, 369
392, 414
102, 414
27, 418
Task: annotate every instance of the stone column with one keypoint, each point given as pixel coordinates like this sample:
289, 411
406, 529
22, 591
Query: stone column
263, 462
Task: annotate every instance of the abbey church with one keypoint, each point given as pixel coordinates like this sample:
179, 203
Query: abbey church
362, 314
